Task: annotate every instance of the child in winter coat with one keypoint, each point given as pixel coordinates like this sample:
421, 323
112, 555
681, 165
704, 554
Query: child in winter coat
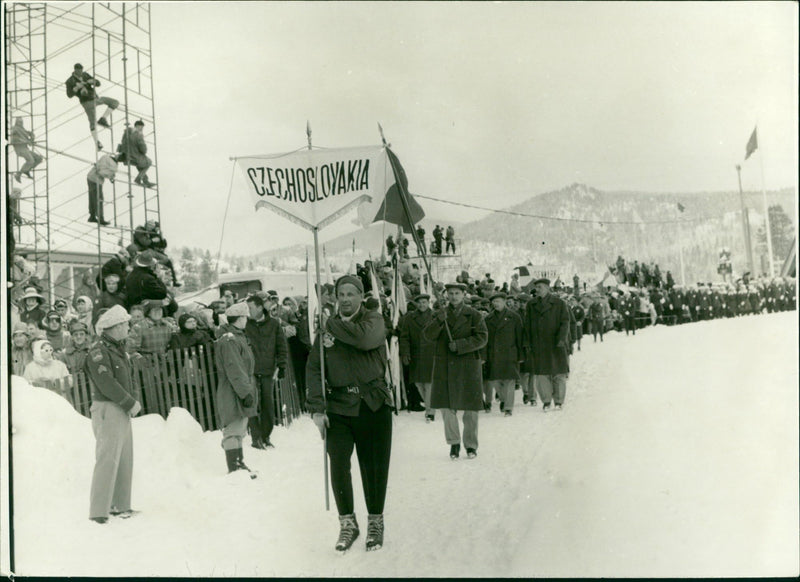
44, 369
83, 306
21, 352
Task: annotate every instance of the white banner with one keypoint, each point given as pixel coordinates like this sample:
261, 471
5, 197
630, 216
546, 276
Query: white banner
315, 187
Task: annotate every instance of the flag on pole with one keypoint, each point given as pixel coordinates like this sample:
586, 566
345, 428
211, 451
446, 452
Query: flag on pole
752, 143
681, 207
389, 207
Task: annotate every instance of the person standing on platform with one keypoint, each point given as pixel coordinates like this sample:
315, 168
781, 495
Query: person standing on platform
356, 410
416, 352
115, 401
547, 339
459, 334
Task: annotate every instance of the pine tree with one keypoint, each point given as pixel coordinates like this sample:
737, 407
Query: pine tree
207, 276
188, 270
782, 234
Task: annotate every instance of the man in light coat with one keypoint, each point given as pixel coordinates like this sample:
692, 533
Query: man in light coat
115, 400
547, 339
459, 333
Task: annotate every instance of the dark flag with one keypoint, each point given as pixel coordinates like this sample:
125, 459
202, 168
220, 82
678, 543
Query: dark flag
752, 143
681, 207
392, 209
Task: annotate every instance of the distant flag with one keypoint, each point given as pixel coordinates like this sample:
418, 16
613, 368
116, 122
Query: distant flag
681, 207
374, 280
752, 143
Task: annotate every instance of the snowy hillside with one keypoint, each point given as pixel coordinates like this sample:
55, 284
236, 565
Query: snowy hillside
676, 454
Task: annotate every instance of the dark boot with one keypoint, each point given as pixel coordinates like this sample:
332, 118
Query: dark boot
240, 463
348, 532
232, 456
374, 531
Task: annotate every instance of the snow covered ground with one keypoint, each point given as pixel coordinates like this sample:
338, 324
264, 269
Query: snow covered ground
676, 454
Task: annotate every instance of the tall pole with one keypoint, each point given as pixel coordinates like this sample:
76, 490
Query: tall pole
745, 224
766, 216
680, 251
320, 331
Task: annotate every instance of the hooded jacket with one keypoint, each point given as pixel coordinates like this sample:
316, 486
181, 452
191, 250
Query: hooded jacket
39, 371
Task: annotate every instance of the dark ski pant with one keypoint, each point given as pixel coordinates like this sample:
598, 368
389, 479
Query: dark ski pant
371, 434
597, 327
262, 424
95, 200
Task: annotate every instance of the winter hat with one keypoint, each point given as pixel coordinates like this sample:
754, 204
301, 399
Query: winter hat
544, 280
455, 286
36, 348
20, 327
149, 304
351, 280
31, 292
76, 325
146, 259
237, 310
111, 317
85, 299
497, 295
59, 302
184, 318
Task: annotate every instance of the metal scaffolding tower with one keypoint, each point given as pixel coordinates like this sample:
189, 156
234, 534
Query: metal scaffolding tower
43, 41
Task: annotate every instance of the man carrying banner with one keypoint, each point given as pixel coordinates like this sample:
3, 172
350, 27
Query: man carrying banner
356, 410
459, 333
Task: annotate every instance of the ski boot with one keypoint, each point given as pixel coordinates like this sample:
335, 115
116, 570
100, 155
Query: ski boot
454, 451
348, 532
374, 531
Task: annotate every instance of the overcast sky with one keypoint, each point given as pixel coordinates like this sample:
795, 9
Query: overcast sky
486, 103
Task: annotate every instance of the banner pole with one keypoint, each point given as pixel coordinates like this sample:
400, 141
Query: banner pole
320, 331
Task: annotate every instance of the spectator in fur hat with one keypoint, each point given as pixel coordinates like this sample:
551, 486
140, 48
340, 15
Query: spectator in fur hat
188, 334
21, 352
43, 368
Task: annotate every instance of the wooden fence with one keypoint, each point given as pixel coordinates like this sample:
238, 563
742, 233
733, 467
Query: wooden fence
186, 378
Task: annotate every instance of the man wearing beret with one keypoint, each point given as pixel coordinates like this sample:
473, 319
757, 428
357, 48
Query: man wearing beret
503, 353
355, 409
459, 333
416, 352
115, 400
546, 333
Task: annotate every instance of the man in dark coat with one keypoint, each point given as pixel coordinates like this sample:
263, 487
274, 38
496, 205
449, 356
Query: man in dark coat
268, 342
460, 333
142, 282
503, 354
416, 352
547, 338
356, 407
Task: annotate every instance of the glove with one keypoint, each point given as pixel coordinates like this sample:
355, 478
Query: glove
247, 401
135, 409
406, 360
452, 346
281, 373
441, 315
321, 420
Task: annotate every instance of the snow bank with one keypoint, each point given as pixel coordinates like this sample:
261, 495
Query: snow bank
675, 455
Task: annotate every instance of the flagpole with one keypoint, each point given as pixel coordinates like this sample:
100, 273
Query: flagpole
766, 214
320, 331
745, 224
